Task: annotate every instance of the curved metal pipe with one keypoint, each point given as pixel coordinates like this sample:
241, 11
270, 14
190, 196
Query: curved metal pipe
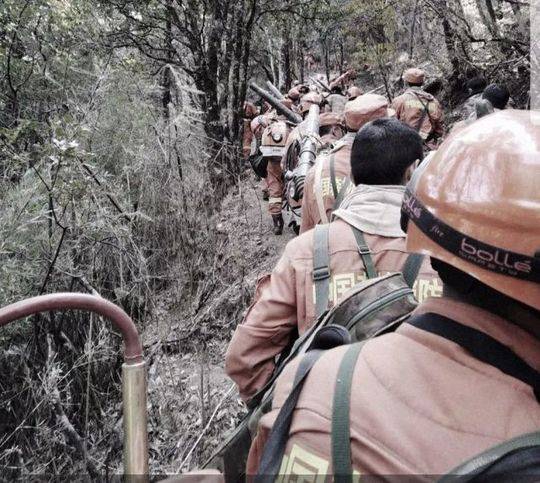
278, 106
79, 301
134, 386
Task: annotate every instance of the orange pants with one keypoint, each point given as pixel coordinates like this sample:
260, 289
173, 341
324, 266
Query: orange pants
274, 180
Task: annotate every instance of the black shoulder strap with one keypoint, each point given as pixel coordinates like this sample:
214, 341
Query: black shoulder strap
411, 268
424, 113
274, 449
321, 268
342, 192
481, 346
365, 253
333, 180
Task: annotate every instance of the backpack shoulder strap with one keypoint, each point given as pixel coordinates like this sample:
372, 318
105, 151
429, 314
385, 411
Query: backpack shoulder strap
321, 268
318, 190
411, 268
365, 253
333, 180
474, 467
481, 346
341, 408
342, 192
274, 449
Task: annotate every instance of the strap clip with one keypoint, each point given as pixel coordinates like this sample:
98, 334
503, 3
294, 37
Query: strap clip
321, 273
364, 250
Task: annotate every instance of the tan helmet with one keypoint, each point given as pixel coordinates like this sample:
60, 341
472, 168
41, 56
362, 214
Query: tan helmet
353, 92
293, 94
476, 204
414, 76
364, 109
308, 100
330, 119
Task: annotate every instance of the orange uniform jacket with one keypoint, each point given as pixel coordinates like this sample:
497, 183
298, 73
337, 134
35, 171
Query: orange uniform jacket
311, 214
420, 404
409, 108
284, 299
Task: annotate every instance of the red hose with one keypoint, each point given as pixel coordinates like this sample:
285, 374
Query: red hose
78, 301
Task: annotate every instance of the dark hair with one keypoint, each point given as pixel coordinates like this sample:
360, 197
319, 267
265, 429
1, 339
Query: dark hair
336, 90
497, 94
476, 85
476, 292
382, 151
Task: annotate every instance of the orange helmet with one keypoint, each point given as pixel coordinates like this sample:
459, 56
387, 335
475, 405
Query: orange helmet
353, 92
294, 94
476, 204
330, 119
364, 109
307, 100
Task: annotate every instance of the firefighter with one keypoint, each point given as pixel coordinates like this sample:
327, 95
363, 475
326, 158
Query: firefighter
273, 141
250, 111
450, 382
257, 127
495, 97
289, 159
336, 100
382, 154
475, 87
419, 109
294, 95
323, 184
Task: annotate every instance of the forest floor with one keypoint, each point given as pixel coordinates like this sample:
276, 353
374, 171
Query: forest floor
193, 404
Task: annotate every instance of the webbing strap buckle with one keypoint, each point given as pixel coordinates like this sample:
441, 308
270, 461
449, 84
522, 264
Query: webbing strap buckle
364, 250
321, 273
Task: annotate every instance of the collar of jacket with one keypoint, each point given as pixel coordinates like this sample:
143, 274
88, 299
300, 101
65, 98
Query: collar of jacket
346, 140
374, 209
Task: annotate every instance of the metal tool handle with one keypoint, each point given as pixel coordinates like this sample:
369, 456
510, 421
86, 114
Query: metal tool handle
134, 385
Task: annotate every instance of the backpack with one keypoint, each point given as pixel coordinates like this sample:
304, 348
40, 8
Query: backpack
516, 458
371, 308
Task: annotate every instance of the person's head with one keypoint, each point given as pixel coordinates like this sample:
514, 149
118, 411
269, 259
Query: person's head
475, 85
330, 126
250, 110
414, 77
382, 152
497, 94
336, 89
258, 124
294, 94
364, 109
474, 207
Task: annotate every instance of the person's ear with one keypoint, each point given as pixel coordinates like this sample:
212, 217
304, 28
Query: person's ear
410, 171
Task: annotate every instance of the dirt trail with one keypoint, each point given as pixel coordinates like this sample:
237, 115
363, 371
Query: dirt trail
188, 390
